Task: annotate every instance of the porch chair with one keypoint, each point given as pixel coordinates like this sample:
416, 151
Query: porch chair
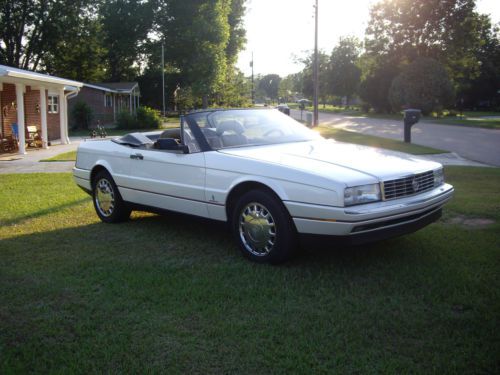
33, 138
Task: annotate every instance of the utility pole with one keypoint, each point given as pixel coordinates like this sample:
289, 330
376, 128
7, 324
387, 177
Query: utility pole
253, 91
163, 77
316, 67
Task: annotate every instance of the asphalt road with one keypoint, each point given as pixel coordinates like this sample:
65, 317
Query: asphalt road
482, 145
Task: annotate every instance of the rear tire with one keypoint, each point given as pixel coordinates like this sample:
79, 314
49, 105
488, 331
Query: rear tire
263, 228
108, 202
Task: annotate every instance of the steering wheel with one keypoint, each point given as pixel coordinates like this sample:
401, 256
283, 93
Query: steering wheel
278, 132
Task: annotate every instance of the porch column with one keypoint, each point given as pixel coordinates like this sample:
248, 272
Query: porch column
130, 103
62, 118
114, 107
20, 88
43, 117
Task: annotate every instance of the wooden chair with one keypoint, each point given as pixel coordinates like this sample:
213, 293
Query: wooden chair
33, 138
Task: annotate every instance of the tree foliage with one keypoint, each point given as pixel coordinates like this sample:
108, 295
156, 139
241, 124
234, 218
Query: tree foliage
270, 84
30, 29
374, 90
424, 84
343, 73
125, 28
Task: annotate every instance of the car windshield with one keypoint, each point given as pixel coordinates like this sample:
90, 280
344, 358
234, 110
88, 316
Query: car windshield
238, 128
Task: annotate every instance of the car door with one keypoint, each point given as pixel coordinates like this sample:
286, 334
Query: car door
168, 180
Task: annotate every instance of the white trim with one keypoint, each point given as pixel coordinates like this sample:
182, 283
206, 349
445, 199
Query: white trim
98, 87
20, 89
8, 71
62, 118
51, 105
43, 117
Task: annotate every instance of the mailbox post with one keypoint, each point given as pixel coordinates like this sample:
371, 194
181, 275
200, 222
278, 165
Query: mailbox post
411, 117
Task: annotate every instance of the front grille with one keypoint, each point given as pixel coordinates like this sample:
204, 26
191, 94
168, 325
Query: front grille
410, 185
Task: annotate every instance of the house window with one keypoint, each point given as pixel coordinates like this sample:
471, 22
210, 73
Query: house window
108, 100
53, 104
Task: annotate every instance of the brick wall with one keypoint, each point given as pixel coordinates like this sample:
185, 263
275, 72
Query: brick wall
95, 99
9, 112
31, 102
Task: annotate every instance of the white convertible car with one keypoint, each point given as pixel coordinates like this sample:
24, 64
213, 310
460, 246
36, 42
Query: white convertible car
269, 177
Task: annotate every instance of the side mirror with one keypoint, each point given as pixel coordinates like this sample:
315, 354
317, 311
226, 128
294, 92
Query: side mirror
171, 145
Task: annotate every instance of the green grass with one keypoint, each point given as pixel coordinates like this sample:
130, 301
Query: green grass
370, 140
171, 294
488, 123
65, 156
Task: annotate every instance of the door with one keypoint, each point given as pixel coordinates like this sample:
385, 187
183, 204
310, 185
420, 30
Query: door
169, 180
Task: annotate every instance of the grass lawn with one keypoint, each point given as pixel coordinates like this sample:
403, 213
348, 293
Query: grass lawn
65, 156
171, 294
370, 140
473, 121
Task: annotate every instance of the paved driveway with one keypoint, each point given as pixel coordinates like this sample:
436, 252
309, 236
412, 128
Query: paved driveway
482, 145
30, 163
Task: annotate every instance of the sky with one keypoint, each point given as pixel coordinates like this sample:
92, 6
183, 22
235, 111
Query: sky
280, 30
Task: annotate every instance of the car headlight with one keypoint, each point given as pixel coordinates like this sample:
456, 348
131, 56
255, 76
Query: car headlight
361, 194
438, 177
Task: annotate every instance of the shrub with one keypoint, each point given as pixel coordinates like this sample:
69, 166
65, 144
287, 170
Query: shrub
82, 115
148, 118
126, 121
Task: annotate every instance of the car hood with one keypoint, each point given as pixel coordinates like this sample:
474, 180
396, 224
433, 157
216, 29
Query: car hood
325, 156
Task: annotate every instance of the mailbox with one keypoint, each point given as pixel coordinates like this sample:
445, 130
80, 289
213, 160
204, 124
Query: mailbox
411, 117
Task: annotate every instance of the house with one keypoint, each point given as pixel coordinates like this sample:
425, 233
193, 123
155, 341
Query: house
29, 99
107, 100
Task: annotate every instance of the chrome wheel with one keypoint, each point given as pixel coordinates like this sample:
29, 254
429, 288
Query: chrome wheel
257, 229
105, 197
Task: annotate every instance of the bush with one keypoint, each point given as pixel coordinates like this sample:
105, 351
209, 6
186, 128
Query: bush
82, 115
424, 85
148, 118
126, 121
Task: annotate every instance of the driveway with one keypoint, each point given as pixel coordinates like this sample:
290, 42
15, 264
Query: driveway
482, 145
30, 163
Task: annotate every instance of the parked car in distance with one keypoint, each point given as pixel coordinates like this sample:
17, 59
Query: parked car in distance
283, 108
273, 180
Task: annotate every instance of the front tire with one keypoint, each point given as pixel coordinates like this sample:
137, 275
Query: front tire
108, 202
263, 228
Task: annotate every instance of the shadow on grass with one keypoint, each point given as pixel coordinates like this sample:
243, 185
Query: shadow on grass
188, 238
45, 211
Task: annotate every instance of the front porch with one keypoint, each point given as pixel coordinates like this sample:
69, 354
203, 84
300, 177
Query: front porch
33, 109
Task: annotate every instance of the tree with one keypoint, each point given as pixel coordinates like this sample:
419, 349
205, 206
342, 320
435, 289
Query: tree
343, 74
424, 85
125, 26
286, 88
374, 90
237, 33
31, 29
270, 84
81, 55
323, 72
483, 90
196, 34
448, 31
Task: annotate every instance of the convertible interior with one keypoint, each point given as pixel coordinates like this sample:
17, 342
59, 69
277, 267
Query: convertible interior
228, 133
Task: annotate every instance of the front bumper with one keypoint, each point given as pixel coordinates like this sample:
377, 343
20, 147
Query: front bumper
371, 222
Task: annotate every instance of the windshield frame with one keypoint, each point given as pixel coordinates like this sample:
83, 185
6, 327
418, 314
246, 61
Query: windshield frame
192, 119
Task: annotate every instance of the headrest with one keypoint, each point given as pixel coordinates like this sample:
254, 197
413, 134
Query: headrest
229, 125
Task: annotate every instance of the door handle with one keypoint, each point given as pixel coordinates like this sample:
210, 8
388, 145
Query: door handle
137, 156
